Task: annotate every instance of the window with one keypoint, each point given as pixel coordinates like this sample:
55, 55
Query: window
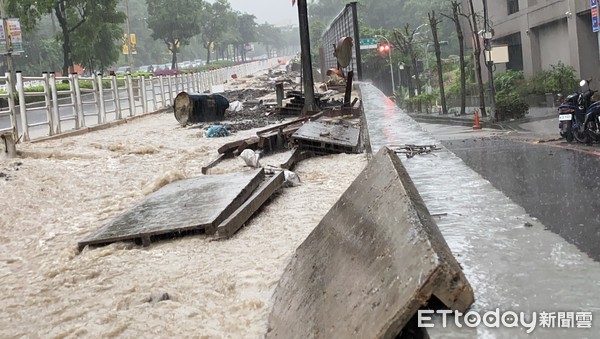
513, 6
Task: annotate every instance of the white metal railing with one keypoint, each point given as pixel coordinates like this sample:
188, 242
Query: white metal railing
74, 102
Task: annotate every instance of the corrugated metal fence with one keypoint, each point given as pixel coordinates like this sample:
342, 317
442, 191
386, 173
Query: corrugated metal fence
344, 25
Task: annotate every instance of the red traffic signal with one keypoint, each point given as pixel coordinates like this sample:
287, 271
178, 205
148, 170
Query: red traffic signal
383, 48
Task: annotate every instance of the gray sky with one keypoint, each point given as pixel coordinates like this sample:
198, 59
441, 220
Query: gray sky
276, 12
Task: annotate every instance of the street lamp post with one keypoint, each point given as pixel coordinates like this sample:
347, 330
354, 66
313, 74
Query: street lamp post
391, 65
129, 53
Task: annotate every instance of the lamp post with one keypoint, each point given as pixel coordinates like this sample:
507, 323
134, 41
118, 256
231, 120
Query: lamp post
400, 69
391, 65
129, 54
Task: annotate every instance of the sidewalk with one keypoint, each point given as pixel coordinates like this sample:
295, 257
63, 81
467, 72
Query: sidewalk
534, 114
510, 265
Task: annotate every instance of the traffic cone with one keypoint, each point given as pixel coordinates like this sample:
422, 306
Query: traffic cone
476, 126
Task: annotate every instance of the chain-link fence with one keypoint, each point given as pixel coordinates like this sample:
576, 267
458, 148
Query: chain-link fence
344, 25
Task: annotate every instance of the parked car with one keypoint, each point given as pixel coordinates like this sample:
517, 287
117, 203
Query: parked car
165, 69
123, 70
146, 68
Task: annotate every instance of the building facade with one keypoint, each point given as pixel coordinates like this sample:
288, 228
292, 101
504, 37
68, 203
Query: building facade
540, 33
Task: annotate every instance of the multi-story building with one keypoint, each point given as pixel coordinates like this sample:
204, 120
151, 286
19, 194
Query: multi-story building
540, 33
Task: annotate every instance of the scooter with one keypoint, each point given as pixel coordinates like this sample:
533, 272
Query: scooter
590, 128
574, 113
566, 118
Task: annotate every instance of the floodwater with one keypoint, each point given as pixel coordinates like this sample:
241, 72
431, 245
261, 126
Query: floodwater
59, 191
510, 266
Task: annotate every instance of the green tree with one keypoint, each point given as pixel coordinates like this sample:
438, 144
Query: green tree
149, 51
270, 36
247, 32
70, 14
213, 24
174, 22
97, 44
42, 50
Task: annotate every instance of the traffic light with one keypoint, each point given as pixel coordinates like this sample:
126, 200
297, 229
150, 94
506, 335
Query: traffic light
383, 47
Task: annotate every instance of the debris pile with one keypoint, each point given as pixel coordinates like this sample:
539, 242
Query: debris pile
412, 150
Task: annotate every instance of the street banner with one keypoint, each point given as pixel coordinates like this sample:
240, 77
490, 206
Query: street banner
15, 35
595, 17
3, 42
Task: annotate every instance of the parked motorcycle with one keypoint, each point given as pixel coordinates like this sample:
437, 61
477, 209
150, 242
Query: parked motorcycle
578, 115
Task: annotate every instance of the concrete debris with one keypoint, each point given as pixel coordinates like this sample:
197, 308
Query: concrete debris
370, 264
258, 198
195, 204
327, 138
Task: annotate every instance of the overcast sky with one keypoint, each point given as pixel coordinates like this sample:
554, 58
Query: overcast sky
276, 12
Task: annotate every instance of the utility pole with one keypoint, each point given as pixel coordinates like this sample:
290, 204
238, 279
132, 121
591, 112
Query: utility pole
487, 43
309, 88
9, 59
129, 54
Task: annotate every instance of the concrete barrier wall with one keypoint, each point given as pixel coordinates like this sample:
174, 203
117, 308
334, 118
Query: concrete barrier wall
370, 264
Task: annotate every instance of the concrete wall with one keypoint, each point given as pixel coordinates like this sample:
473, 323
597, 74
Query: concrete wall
550, 30
589, 55
549, 52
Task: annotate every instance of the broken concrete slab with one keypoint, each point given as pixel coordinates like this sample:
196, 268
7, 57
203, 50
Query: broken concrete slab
370, 264
236, 220
326, 138
200, 203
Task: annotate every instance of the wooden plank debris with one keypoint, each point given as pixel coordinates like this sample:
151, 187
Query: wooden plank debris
215, 162
236, 220
239, 145
296, 155
199, 203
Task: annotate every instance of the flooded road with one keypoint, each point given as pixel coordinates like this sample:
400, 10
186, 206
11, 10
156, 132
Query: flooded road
61, 190
558, 186
509, 258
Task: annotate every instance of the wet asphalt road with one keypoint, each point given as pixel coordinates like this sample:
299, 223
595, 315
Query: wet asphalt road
560, 187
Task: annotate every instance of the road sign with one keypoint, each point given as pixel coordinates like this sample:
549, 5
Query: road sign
368, 42
125, 46
368, 46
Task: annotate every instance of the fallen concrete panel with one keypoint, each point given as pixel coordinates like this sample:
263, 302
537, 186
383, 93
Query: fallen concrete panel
190, 204
370, 264
236, 220
324, 138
